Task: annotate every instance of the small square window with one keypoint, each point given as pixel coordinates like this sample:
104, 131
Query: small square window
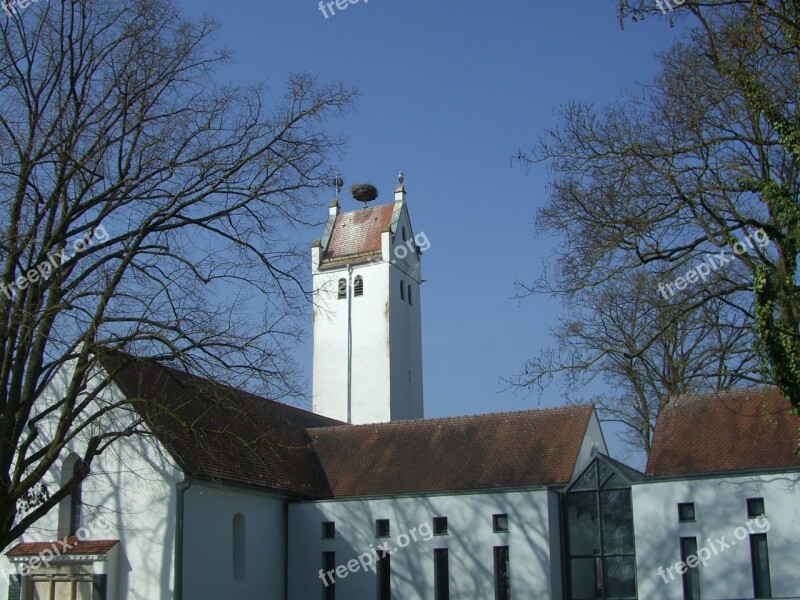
439, 525
755, 508
500, 522
686, 512
382, 528
329, 530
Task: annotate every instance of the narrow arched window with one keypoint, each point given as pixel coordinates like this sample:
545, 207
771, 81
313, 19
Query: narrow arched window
358, 286
69, 510
342, 288
239, 547
410, 300
402, 290
404, 234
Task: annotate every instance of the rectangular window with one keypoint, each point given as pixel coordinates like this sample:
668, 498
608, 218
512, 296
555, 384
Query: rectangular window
384, 577
382, 528
755, 508
500, 522
502, 573
328, 576
759, 557
439, 525
328, 530
686, 512
691, 578
441, 574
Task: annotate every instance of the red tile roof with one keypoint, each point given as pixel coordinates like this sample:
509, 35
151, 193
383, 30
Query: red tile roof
57, 548
358, 233
529, 448
216, 431
738, 430
222, 433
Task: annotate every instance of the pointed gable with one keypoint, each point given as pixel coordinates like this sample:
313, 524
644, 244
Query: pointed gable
356, 235
739, 430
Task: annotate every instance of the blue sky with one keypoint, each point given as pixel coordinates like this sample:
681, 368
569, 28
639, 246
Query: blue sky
450, 91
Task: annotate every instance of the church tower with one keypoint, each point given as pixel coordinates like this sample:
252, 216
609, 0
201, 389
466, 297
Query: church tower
366, 316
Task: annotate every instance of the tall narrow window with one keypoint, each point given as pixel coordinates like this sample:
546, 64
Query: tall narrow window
328, 576
384, 577
404, 234
69, 509
342, 289
402, 290
358, 286
691, 578
239, 547
759, 557
441, 574
75, 501
502, 573
410, 300
599, 533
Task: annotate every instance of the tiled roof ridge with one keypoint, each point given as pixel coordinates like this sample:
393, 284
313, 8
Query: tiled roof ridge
510, 413
741, 393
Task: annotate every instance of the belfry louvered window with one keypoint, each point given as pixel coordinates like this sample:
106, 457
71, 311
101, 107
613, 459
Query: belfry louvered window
342, 288
358, 286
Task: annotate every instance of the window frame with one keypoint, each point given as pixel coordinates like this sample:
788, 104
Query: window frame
239, 554
341, 293
751, 504
378, 525
687, 505
691, 577
437, 526
496, 522
502, 585
329, 566
329, 530
441, 574
383, 570
762, 581
358, 286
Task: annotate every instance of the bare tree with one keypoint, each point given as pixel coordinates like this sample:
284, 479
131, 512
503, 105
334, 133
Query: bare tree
693, 165
644, 347
147, 209
754, 46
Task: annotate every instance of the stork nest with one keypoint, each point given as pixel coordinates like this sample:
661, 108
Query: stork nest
364, 192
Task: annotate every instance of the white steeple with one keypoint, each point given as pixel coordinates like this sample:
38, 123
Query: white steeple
366, 317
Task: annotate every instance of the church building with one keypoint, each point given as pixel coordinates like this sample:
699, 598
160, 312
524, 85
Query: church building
237, 496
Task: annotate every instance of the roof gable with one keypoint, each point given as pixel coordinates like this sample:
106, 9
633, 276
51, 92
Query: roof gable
739, 430
358, 233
